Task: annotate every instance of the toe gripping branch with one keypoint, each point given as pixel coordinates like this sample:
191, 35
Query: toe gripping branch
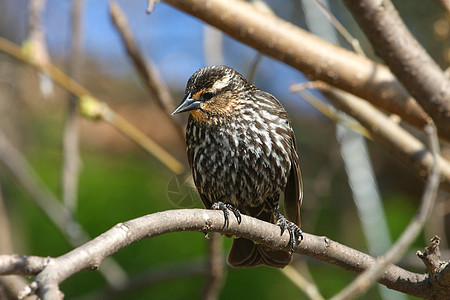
295, 233
225, 208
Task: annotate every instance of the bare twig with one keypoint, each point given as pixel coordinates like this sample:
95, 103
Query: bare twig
366, 279
213, 45
92, 108
445, 4
340, 28
397, 140
35, 44
439, 271
5, 232
215, 267
91, 254
302, 283
316, 58
145, 68
95, 109
10, 286
407, 59
52, 207
254, 65
326, 109
150, 5
71, 151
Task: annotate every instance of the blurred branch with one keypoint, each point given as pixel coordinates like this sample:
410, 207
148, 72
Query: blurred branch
316, 58
302, 283
151, 5
5, 230
156, 275
340, 28
91, 254
216, 269
410, 63
10, 286
445, 4
52, 207
94, 109
368, 277
328, 110
71, 151
254, 65
35, 44
397, 140
145, 68
99, 109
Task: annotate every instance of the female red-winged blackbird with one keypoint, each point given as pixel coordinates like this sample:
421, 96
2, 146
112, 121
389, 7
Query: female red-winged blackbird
242, 154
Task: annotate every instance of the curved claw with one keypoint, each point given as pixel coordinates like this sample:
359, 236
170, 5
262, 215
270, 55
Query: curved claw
295, 233
225, 207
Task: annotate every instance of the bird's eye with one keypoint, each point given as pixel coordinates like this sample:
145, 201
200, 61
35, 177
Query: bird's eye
207, 96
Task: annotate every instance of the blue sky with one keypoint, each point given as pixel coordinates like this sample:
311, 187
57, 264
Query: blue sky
170, 38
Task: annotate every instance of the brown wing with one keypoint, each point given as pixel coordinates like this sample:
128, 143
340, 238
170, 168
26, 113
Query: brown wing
293, 193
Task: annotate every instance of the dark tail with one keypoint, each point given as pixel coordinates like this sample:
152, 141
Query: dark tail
246, 254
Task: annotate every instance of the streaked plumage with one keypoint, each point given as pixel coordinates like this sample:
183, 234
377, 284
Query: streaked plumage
242, 151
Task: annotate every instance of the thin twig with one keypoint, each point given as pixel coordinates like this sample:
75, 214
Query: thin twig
366, 279
146, 69
36, 45
326, 109
445, 4
302, 283
87, 100
71, 151
91, 254
340, 28
403, 145
254, 65
150, 6
10, 286
216, 270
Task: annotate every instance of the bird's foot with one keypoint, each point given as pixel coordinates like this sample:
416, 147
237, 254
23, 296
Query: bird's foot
225, 208
295, 233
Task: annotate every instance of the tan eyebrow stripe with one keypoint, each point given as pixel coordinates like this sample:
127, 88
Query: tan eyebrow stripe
198, 94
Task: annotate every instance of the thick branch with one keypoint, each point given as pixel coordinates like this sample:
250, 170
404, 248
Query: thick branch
91, 254
415, 69
316, 58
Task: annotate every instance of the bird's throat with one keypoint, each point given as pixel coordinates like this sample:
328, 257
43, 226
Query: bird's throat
199, 116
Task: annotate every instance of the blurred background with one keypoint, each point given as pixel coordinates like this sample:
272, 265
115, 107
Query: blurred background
118, 181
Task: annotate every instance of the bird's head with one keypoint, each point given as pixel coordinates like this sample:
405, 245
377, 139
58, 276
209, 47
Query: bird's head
212, 93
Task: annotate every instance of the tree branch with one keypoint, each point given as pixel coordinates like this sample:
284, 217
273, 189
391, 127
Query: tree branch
146, 69
410, 63
368, 277
316, 58
91, 254
408, 149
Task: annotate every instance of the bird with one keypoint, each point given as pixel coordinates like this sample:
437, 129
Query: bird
242, 153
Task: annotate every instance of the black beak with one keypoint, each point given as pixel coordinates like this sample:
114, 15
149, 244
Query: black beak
187, 104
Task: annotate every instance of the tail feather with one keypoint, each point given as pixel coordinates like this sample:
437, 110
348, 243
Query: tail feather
246, 254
